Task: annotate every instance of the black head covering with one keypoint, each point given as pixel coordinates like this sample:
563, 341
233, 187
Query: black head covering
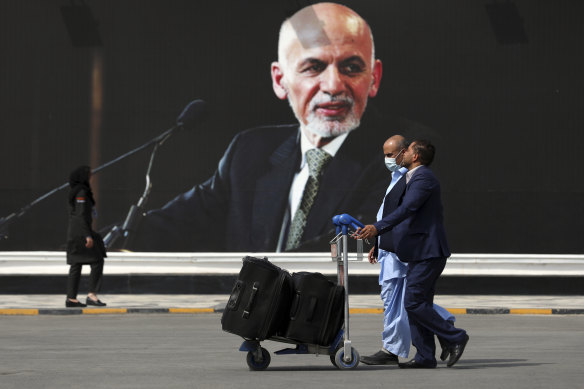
78, 180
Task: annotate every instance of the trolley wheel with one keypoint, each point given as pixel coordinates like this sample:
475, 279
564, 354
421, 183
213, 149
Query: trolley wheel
340, 362
255, 365
332, 356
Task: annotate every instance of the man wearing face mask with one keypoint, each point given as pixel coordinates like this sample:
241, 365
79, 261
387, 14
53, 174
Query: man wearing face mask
396, 335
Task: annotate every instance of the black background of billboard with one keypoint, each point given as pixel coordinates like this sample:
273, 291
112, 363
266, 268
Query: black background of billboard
507, 118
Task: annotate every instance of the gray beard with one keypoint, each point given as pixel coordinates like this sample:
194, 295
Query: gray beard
331, 128
328, 128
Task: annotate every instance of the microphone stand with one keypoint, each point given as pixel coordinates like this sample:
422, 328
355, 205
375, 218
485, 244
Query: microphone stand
136, 209
5, 222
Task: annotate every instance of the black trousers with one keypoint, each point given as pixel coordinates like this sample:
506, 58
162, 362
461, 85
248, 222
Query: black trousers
424, 320
75, 276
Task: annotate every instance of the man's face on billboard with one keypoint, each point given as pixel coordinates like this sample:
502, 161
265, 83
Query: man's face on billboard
326, 69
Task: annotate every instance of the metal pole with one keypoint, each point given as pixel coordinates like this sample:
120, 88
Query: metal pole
347, 343
340, 265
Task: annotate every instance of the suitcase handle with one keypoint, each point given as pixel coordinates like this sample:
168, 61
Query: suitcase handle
254, 291
235, 294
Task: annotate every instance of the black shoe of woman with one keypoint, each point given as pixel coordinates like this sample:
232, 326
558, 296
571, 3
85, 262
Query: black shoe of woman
74, 304
96, 303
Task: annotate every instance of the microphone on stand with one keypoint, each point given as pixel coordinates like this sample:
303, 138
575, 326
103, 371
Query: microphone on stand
193, 114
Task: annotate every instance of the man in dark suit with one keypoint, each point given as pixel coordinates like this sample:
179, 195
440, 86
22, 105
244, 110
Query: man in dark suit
396, 328
276, 188
419, 238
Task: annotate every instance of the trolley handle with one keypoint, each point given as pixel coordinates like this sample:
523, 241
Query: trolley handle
344, 221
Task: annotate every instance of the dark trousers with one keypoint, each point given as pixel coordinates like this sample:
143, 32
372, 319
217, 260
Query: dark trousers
424, 320
75, 276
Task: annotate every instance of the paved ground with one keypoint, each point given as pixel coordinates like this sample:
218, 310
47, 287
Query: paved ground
191, 351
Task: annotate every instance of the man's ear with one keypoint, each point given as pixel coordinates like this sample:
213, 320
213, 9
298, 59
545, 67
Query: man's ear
376, 78
415, 157
277, 81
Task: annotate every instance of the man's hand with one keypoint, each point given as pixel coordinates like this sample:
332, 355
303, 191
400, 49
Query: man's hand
89, 242
372, 258
367, 232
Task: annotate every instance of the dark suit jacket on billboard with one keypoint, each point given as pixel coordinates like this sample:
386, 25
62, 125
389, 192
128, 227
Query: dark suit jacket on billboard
417, 223
242, 206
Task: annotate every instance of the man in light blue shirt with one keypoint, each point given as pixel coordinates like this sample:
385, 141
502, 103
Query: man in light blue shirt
396, 336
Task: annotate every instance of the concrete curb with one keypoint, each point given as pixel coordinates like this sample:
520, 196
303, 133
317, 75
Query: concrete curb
352, 311
100, 311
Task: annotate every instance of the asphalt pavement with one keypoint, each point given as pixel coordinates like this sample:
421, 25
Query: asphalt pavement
191, 351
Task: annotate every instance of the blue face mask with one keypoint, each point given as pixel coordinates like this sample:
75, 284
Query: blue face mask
391, 163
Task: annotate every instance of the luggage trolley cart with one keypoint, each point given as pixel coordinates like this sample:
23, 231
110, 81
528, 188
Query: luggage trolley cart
346, 357
341, 352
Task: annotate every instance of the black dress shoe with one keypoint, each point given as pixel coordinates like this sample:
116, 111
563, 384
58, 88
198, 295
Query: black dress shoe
444, 345
380, 358
74, 304
444, 353
414, 365
95, 303
456, 351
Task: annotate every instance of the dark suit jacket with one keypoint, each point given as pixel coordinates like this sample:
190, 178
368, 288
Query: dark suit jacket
392, 200
242, 206
417, 223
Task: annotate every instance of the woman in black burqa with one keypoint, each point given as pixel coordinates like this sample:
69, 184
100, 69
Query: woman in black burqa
84, 246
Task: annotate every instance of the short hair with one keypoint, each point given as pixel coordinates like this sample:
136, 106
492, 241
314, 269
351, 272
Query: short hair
425, 151
403, 143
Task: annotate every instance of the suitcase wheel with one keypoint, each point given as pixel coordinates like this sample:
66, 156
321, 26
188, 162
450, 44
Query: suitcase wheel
255, 364
340, 363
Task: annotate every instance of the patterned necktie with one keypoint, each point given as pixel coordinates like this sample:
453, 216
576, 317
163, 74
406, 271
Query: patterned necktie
316, 160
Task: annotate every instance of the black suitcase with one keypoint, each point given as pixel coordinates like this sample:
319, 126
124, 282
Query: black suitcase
260, 300
317, 310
